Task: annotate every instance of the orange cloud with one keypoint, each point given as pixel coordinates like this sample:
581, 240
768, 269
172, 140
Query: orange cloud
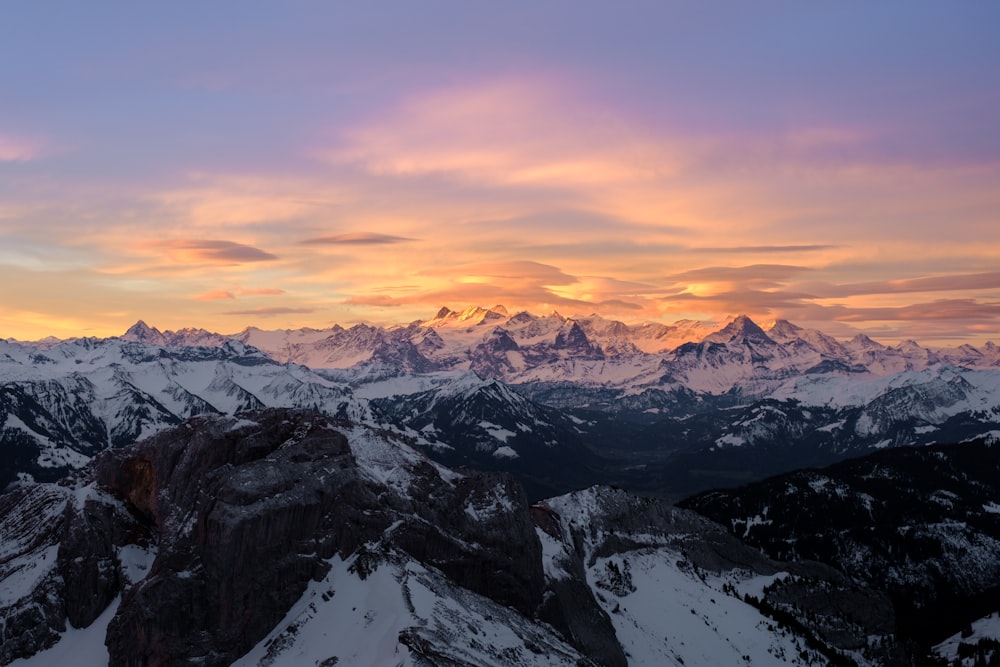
211, 251
380, 300
220, 294
946, 283
216, 295
357, 238
516, 131
271, 311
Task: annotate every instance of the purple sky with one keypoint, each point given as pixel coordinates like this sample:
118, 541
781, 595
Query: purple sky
304, 163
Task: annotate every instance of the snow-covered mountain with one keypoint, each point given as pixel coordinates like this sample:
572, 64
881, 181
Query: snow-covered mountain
61, 405
664, 408
484, 424
591, 351
283, 537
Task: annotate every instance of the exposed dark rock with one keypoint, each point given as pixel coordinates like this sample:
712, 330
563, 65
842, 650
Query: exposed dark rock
88, 560
67, 536
31, 521
247, 513
489, 358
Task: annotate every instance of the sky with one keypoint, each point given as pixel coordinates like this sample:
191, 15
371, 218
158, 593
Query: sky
280, 165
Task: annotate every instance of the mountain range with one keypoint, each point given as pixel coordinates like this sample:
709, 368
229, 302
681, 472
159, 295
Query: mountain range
284, 537
560, 402
483, 488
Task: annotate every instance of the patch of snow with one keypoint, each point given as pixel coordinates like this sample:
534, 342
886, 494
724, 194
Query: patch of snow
669, 617
730, 439
24, 573
553, 551
987, 627
505, 452
136, 561
493, 503
237, 424
359, 622
77, 646
497, 432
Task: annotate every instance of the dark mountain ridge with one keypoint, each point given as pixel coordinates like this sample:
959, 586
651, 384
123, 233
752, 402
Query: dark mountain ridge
231, 539
921, 524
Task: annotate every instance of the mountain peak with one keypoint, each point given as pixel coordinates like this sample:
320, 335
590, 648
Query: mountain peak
140, 332
863, 341
473, 315
741, 328
783, 329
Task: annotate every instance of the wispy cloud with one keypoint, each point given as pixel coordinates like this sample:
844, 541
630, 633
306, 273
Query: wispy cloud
752, 273
19, 149
271, 311
211, 251
222, 294
216, 295
532, 138
761, 249
357, 238
946, 283
956, 310
379, 300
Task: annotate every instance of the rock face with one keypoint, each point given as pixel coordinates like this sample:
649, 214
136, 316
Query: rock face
248, 516
245, 513
279, 535
59, 561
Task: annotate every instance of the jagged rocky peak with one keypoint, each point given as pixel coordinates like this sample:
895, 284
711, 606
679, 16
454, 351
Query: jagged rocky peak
783, 330
471, 316
865, 343
443, 313
140, 332
742, 328
523, 317
572, 337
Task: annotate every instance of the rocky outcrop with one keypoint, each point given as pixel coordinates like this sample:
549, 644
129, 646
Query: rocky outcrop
59, 561
246, 512
248, 515
222, 537
31, 521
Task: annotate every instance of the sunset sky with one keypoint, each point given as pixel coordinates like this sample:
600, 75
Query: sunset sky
225, 164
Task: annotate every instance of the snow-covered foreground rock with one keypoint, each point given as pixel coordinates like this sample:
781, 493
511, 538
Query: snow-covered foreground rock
284, 537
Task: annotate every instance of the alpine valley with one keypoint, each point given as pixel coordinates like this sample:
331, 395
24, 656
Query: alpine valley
488, 488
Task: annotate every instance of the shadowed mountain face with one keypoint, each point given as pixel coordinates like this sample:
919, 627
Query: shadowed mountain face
279, 536
923, 525
236, 516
